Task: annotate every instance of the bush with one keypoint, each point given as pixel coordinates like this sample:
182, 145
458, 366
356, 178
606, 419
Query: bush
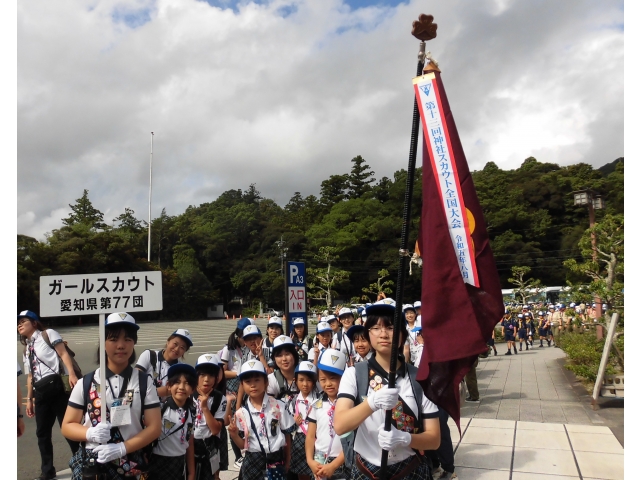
584, 353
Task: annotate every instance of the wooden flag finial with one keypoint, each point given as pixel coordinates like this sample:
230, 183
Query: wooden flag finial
424, 29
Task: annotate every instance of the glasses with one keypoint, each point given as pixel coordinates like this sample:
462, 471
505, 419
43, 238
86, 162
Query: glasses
379, 330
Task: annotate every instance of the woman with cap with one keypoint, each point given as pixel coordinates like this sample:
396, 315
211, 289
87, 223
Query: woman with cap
282, 382
210, 411
266, 427
44, 358
128, 394
306, 377
543, 329
300, 338
415, 423
156, 363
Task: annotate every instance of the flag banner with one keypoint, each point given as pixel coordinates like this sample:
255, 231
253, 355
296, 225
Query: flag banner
458, 312
443, 164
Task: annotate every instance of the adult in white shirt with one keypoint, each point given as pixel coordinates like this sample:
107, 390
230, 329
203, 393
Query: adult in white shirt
44, 361
419, 428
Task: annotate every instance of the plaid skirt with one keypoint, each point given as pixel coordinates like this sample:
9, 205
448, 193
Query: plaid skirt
233, 384
166, 468
419, 473
254, 464
341, 472
108, 471
299, 464
224, 450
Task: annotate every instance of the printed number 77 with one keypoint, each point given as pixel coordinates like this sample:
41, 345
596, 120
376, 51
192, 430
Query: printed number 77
126, 302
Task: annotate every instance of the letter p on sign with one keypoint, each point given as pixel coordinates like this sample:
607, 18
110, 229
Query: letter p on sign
293, 273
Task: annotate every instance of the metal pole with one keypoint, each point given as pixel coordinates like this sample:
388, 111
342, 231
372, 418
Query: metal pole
594, 253
103, 370
150, 179
404, 243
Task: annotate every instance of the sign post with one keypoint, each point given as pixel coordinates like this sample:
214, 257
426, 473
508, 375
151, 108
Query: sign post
296, 293
100, 293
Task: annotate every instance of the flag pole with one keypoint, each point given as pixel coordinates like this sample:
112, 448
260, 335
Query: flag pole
424, 29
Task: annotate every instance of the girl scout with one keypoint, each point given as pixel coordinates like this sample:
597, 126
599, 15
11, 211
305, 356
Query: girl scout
360, 344
175, 444
266, 426
324, 335
412, 338
274, 330
415, 423
157, 362
44, 354
323, 448
282, 382
210, 408
125, 399
300, 339
306, 377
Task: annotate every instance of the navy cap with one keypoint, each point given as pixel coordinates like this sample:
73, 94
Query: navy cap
28, 314
181, 368
243, 323
383, 307
353, 330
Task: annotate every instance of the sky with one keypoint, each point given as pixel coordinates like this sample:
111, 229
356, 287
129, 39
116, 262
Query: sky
284, 93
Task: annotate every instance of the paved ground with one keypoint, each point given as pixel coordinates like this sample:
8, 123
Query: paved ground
534, 420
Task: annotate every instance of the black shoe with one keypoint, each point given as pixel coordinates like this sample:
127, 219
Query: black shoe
46, 477
515, 351
508, 353
495, 352
520, 347
472, 400
527, 347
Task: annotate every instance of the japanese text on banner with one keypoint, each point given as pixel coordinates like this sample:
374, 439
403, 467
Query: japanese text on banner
446, 175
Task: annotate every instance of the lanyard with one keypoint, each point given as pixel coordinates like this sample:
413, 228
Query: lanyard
126, 375
263, 427
303, 426
332, 432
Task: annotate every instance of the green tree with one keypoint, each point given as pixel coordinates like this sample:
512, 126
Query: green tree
607, 270
324, 280
525, 289
360, 178
333, 190
83, 212
128, 221
381, 285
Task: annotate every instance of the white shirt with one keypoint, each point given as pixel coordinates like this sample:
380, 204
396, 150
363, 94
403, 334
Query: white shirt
114, 384
327, 441
44, 359
358, 358
366, 443
274, 410
312, 352
200, 427
160, 374
175, 432
232, 358
303, 406
346, 346
412, 340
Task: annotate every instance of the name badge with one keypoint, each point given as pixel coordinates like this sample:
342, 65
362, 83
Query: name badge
120, 414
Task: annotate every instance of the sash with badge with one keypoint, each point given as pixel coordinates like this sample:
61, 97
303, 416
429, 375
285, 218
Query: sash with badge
402, 417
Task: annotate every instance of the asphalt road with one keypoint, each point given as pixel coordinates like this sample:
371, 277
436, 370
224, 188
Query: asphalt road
209, 336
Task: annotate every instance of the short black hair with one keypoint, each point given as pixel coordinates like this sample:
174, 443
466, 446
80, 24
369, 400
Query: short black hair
208, 368
309, 375
190, 378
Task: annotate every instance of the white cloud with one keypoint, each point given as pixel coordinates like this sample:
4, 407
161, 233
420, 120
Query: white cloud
245, 97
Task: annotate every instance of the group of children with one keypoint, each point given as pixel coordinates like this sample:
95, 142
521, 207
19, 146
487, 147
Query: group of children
276, 395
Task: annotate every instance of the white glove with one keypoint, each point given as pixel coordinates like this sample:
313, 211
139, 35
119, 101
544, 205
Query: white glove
383, 399
110, 451
393, 439
101, 433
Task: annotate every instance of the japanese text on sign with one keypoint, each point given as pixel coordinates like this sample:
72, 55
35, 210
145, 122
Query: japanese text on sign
446, 174
100, 293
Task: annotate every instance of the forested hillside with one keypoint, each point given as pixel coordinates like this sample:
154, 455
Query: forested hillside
227, 248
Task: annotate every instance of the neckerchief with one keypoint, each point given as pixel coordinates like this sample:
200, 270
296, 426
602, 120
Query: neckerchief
402, 417
183, 415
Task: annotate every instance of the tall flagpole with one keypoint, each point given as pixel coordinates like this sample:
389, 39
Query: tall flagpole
150, 179
424, 29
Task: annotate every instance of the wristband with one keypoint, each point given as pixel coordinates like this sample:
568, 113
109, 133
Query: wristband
20, 416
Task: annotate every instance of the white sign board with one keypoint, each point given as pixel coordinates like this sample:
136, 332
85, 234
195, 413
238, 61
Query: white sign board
96, 293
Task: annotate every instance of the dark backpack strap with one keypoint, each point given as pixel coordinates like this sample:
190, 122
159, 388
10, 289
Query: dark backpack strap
418, 393
153, 359
87, 380
362, 380
217, 400
142, 384
280, 379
